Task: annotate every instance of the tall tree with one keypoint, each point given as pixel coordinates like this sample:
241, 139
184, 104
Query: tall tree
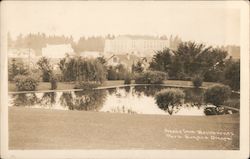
46, 68
162, 61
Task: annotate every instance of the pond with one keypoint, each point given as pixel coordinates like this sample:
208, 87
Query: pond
129, 99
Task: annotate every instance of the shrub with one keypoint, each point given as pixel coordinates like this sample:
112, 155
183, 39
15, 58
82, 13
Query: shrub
86, 86
25, 83
151, 77
217, 95
197, 81
127, 79
232, 75
234, 103
169, 97
53, 82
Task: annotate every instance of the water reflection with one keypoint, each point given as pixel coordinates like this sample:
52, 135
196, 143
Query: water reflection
89, 100
25, 99
48, 99
66, 100
130, 100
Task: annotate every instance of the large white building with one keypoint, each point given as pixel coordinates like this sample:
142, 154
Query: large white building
57, 51
137, 45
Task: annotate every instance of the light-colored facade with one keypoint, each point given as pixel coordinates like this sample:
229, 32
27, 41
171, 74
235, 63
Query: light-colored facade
57, 51
140, 46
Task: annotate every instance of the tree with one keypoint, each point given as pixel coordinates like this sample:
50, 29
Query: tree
167, 99
137, 68
217, 95
214, 63
15, 68
118, 72
232, 75
162, 61
197, 81
81, 69
189, 58
44, 65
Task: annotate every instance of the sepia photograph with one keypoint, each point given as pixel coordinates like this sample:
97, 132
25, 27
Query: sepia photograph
123, 75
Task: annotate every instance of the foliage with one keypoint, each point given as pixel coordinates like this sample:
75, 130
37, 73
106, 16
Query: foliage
127, 79
82, 69
151, 77
137, 68
87, 99
89, 44
16, 67
162, 61
25, 83
118, 72
46, 68
232, 75
197, 81
48, 99
25, 99
217, 95
168, 98
234, 103
53, 82
189, 59
37, 41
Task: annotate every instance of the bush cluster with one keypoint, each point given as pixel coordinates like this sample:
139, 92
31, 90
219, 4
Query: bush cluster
128, 79
169, 97
217, 94
151, 77
25, 83
197, 81
53, 82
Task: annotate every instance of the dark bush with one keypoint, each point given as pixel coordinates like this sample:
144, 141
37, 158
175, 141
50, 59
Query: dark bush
25, 83
217, 95
234, 103
197, 81
169, 98
151, 77
86, 86
53, 82
127, 79
232, 75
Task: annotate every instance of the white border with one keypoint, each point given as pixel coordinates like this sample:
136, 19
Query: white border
216, 154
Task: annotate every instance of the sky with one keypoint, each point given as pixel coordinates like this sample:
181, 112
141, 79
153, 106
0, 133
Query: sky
212, 24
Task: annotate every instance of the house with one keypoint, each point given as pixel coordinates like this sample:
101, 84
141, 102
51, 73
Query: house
127, 60
57, 51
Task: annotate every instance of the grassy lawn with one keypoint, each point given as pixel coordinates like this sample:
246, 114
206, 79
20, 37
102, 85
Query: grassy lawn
70, 85
57, 129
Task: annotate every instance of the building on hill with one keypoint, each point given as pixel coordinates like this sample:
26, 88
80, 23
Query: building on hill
135, 45
57, 51
125, 59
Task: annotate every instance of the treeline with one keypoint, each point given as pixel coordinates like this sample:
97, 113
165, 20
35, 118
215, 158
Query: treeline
94, 43
40, 40
191, 60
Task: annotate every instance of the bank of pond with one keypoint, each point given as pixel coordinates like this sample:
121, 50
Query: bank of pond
127, 99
